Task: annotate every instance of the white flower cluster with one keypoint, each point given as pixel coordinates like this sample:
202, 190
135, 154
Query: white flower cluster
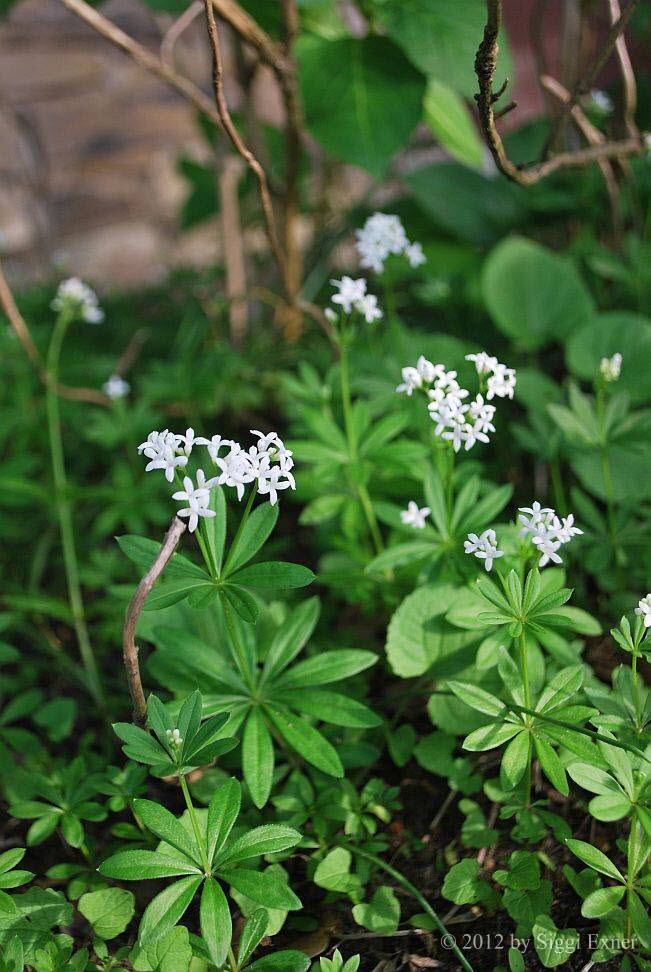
644, 610
116, 387
351, 295
414, 516
484, 547
267, 463
79, 297
457, 421
547, 531
611, 368
381, 236
174, 736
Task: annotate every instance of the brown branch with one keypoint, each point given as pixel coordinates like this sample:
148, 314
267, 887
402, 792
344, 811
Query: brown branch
251, 32
293, 142
585, 83
240, 145
485, 63
142, 56
129, 648
626, 70
19, 325
180, 25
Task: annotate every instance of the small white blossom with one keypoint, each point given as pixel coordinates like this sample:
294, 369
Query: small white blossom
540, 519
160, 448
411, 380
116, 387
174, 736
237, 469
564, 529
349, 292
547, 531
368, 308
611, 368
482, 414
484, 547
415, 517
77, 296
644, 610
484, 362
548, 548
197, 497
426, 369
331, 315
501, 383
190, 439
273, 478
415, 255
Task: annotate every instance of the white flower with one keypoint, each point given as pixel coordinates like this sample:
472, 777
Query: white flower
78, 297
484, 547
411, 380
415, 517
644, 610
456, 431
174, 736
269, 480
426, 369
611, 368
540, 519
349, 292
482, 415
484, 362
190, 439
116, 387
369, 309
548, 547
197, 498
237, 469
415, 255
160, 449
501, 383
331, 315
380, 236
472, 434
564, 529
601, 101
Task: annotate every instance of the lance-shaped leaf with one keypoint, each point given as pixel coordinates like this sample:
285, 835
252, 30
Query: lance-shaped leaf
291, 637
223, 810
477, 698
595, 859
144, 865
263, 888
306, 741
255, 532
165, 826
267, 839
166, 909
274, 575
331, 666
215, 921
332, 707
257, 757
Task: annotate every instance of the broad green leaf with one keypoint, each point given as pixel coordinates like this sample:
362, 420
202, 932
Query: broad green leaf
594, 858
593, 778
223, 810
172, 953
533, 295
166, 909
108, 911
266, 839
264, 888
418, 633
361, 96
601, 901
381, 914
477, 698
553, 945
257, 757
489, 737
173, 591
10, 858
617, 331
140, 745
331, 707
142, 552
461, 882
164, 825
143, 865
330, 666
285, 961
275, 575
452, 124
306, 741
333, 872
291, 637
401, 554
215, 921
256, 530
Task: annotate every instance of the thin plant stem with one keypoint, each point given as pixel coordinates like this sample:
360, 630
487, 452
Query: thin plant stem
351, 437
195, 825
236, 644
630, 876
527, 701
420, 898
242, 523
636, 691
606, 472
63, 509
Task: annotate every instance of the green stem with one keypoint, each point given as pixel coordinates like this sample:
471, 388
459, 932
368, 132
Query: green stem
64, 512
524, 671
420, 898
449, 484
636, 692
237, 645
362, 491
195, 826
242, 524
232, 961
632, 837
608, 485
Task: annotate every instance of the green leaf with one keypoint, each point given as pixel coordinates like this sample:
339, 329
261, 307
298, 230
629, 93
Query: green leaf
257, 758
171, 592
514, 760
215, 921
462, 882
165, 826
223, 811
452, 124
143, 865
307, 742
291, 637
189, 717
274, 575
401, 554
10, 858
551, 764
594, 858
361, 96
108, 911
172, 953
489, 737
166, 909
210, 732
381, 914
142, 552
256, 530
331, 707
252, 934
601, 901
285, 961
621, 331
140, 745
266, 839
330, 666
262, 887
333, 872
418, 633
554, 946
242, 602
533, 295
215, 526
477, 698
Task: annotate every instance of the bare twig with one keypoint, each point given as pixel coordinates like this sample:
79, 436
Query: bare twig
143, 57
240, 145
485, 63
626, 71
228, 182
180, 25
293, 139
19, 325
251, 32
129, 648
